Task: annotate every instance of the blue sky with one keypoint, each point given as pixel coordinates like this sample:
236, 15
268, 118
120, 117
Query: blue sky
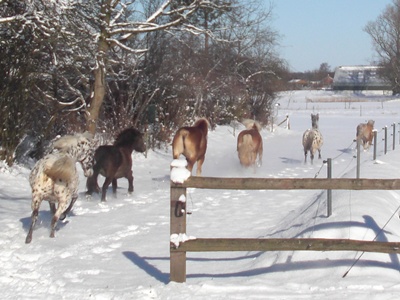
317, 31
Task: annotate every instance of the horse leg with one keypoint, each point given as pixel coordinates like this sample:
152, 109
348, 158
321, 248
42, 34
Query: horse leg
64, 214
319, 154
52, 207
106, 183
312, 156
35, 212
130, 182
114, 187
190, 165
55, 219
199, 165
92, 185
260, 155
305, 156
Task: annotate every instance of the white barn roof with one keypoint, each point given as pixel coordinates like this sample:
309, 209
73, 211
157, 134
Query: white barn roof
359, 78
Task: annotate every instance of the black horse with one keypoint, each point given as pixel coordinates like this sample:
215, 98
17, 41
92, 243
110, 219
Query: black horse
115, 161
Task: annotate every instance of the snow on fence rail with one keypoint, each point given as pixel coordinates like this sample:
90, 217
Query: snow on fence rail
180, 243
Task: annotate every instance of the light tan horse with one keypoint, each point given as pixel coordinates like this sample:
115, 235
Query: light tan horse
192, 143
365, 133
250, 144
312, 139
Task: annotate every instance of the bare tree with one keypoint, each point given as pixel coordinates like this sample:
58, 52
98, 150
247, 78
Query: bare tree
115, 31
385, 34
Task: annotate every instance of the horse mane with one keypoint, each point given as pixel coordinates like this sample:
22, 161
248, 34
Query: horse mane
126, 137
249, 124
68, 141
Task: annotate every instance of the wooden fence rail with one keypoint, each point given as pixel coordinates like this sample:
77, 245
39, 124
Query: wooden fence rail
178, 218
288, 183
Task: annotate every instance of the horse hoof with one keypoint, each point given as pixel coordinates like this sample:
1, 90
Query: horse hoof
62, 217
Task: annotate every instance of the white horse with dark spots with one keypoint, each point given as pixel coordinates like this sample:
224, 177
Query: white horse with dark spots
55, 178
312, 139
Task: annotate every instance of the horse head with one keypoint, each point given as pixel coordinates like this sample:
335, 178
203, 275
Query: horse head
131, 138
314, 120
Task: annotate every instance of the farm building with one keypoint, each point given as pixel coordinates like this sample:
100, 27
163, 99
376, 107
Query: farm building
359, 78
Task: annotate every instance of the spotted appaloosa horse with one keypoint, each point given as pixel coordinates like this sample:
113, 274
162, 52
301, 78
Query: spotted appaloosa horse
115, 161
365, 133
250, 144
192, 143
312, 139
55, 178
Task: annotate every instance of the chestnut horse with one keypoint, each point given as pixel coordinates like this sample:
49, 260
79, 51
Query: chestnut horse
365, 133
115, 161
192, 143
312, 139
250, 144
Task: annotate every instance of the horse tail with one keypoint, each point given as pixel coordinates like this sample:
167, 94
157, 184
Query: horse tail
178, 143
203, 125
308, 138
359, 131
245, 149
62, 168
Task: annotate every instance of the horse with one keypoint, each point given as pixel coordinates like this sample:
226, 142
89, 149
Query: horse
364, 133
192, 143
250, 144
312, 139
115, 161
55, 178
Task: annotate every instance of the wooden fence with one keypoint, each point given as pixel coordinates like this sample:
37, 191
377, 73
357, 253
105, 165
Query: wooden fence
178, 219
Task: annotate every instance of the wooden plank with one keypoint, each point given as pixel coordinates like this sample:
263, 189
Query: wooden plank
288, 183
248, 244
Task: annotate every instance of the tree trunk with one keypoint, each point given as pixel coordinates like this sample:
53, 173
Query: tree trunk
99, 89
97, 98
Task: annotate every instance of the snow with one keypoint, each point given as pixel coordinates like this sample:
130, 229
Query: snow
120, 249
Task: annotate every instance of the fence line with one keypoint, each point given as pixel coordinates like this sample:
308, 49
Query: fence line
179, 247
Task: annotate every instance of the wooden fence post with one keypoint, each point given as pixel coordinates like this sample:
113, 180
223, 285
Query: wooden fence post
385, 140
329, 192
178, 226
394, 136
375, 142
358, 158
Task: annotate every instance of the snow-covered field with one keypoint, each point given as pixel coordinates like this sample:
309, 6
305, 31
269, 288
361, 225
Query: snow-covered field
120, 249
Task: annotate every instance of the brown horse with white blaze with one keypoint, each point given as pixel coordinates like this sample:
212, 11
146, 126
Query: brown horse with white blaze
250, 144
191, 142
365, 133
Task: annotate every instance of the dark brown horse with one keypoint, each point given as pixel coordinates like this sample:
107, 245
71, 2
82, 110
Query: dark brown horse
115, 161
250, 144
192, 143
